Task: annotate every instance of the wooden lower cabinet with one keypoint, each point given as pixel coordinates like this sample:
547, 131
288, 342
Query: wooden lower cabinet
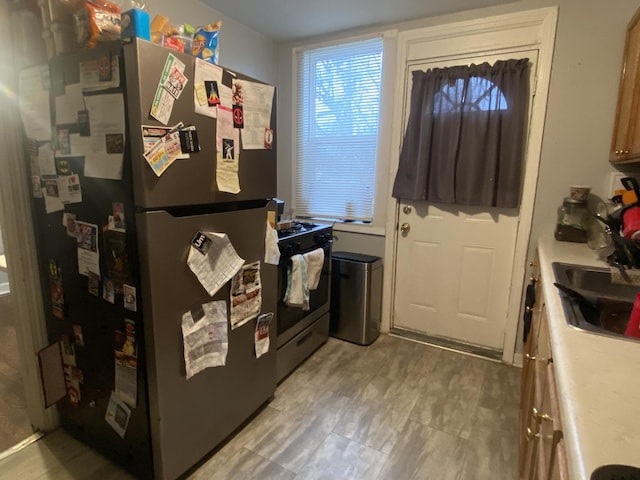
542, 451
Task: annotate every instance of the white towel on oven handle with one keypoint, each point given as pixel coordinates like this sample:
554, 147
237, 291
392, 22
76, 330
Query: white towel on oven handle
315, 261
297, 293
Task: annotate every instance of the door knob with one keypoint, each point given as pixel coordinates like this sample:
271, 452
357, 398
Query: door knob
406, 209
405, 228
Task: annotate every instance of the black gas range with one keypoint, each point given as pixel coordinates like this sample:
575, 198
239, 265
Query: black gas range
303, 236
302, 331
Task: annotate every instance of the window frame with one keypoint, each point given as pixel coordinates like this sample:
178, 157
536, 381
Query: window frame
389, 55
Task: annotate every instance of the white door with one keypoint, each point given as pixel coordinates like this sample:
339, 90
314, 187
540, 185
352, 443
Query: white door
454, 264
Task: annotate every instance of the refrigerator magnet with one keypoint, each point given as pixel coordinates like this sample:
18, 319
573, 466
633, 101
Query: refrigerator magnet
108, 290
268, 138
130, 298
238, 116
36, 184
201, 243
262, 334
189, 140
213, 95
118, 217
237, 92
56, 289
77, 335
70, 224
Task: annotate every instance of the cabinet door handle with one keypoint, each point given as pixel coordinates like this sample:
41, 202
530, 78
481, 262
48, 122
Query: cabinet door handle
533, 264
531, 435
528, 309
537, 415
529, 357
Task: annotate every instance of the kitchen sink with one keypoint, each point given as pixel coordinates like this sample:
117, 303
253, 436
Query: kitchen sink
595, 305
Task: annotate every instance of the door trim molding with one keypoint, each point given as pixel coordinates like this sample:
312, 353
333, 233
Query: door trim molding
531, 29
18, 235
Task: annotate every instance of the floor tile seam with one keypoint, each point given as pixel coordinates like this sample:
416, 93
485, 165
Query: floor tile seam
496, 430
310, 455
464, 461
396, 430
398, 411
432, 427
265, 458
212, 457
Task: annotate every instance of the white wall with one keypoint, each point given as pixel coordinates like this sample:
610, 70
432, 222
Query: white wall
241, 48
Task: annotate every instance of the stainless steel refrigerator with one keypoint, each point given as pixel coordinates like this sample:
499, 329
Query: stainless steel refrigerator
175, 421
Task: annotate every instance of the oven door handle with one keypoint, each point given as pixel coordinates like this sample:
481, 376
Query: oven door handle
304, 338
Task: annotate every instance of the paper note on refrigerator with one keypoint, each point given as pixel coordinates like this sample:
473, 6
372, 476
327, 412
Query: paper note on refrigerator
33, 100
69, 104
52, 201
87, 243
46, 160
165, 95
206, 74
205, 333
271, 250
117, 414
257, 99
126, 364
213, 260
107, 125
69, 189
246, 295
228, 152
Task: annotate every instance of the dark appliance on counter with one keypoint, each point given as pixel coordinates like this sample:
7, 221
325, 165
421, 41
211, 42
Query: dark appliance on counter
301, 332
174, 421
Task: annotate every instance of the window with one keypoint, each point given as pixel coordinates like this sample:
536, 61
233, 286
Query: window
480, 95
337, 107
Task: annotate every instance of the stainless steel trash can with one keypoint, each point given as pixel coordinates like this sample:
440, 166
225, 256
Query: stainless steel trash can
356, 297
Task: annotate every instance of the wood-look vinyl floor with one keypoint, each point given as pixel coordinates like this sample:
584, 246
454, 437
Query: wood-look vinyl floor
396, 410
14, 420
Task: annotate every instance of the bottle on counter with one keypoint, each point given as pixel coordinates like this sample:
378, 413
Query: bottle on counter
573, 221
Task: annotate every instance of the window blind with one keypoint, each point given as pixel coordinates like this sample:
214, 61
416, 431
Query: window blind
338, 105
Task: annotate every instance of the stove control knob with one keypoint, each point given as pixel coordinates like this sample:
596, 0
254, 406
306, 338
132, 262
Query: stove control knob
296, 247
288, 249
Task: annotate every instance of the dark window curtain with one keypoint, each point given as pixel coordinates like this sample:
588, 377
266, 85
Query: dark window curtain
465, 136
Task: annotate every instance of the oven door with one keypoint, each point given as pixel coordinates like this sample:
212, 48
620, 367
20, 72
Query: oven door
292, 320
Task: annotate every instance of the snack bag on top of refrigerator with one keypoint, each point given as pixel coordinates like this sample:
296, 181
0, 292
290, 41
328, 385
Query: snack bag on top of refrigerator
205, 42
97, 21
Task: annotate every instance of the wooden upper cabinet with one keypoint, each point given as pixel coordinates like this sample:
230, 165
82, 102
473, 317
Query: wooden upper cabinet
625, 146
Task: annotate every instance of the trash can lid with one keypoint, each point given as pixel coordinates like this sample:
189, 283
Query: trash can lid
355, 257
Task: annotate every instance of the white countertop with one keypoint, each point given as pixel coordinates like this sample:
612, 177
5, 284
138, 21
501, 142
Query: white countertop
598, 378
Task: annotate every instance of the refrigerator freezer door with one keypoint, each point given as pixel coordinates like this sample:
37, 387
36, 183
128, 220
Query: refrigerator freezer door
191, 181
190, 417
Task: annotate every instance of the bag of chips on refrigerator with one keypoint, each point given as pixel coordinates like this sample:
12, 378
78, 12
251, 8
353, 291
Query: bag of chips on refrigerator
205, 42
97, 21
